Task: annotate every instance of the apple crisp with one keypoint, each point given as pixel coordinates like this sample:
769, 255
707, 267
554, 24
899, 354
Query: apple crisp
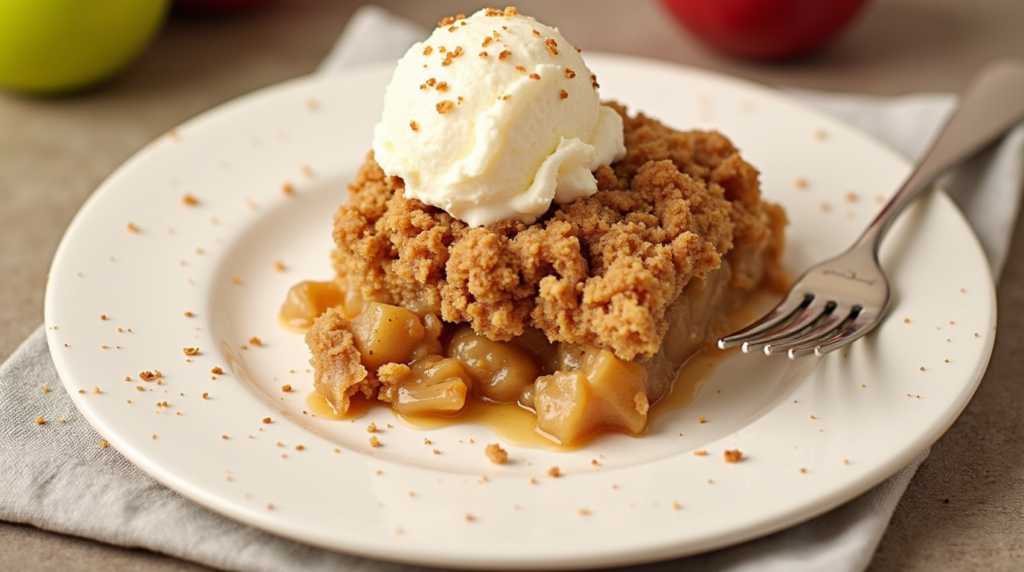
568, 316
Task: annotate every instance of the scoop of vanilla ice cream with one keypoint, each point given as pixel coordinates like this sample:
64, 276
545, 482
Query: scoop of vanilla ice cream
493, 117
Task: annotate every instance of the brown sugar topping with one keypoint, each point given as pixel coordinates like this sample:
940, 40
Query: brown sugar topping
496, 454
428, 50
414, 126
569, 73
505, 54
552, 46
445, 106
534, 76
563, 94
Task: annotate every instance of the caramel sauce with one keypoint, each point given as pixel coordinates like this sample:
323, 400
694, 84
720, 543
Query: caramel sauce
509, 421
319, 407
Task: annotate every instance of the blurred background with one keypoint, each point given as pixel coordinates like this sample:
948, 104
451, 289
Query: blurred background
69, 116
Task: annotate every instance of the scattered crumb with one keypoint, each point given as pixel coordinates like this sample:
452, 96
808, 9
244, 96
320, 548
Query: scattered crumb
733, 455
104, 444
583, 512
132, 227
300, 447
278, 266
371, 428
286, 388
255, 341
700, 453
206, 395
676, 506
701, 419
40, 421
803, 470
267, 420
189, 200
554, 472
217, 370
190, 351
46, 389
496, 454
469, 517
374, 441
287, 188
800, 183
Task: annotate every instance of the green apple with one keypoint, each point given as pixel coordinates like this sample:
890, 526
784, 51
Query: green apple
54, 46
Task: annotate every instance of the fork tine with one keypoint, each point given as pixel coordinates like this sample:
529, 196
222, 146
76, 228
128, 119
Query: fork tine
840, 318
808, 320
859, 327
781, 315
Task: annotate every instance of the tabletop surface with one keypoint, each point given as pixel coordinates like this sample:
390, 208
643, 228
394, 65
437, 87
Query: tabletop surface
963, 510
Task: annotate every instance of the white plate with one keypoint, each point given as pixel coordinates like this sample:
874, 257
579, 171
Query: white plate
814, 433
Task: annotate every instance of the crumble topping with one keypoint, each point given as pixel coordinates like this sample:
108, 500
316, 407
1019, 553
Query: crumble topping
601, 270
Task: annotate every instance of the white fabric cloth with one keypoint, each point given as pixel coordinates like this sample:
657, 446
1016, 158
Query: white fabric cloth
59, 480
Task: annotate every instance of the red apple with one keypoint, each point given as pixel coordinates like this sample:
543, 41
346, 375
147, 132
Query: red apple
764, 29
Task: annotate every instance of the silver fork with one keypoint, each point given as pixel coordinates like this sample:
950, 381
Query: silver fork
841, 299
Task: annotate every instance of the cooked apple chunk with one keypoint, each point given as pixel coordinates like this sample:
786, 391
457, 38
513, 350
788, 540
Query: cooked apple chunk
433, 386
595, 392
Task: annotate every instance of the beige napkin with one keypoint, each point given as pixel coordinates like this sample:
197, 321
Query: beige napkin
57, 479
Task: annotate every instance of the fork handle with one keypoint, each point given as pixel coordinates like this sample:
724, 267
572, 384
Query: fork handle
991, 104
